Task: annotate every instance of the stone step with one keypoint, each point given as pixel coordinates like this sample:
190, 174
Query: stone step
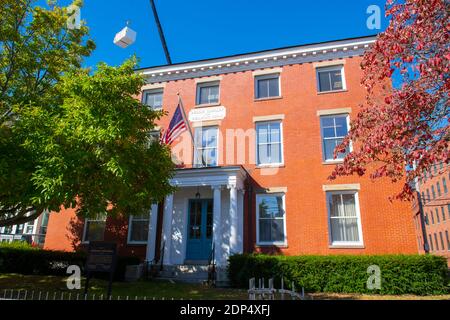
185, 272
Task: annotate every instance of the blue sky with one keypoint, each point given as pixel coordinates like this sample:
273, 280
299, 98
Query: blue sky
204, 29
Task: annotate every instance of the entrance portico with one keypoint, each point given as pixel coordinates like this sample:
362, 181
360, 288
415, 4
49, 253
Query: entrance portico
206, 209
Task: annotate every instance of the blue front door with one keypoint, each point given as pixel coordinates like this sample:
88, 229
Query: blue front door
200, 229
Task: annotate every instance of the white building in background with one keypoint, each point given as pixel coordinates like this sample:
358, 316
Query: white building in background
32, 232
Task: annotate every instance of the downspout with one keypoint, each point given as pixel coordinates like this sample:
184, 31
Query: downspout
249, 213
426, 246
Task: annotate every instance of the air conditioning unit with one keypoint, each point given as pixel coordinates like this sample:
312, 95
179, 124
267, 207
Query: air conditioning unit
125, 37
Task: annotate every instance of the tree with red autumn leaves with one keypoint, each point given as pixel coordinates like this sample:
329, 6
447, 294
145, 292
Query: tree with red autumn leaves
402, 129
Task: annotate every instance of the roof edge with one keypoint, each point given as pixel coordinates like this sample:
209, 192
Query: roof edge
242, 55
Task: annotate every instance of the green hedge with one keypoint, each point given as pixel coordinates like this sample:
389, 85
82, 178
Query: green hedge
400, 274
23, 259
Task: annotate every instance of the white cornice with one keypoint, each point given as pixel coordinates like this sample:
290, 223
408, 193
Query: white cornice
212, 176
265, 59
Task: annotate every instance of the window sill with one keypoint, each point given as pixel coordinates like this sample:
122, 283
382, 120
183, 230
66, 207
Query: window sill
268, 98
334, 91
332, 162
206, 105
347, 246
87, 242
268, 166
273, 245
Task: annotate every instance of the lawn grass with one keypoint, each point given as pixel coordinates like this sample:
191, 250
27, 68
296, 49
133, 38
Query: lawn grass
160, 289
157, 289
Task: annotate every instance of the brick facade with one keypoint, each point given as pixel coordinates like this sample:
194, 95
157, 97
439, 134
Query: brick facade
387, 226
435, 199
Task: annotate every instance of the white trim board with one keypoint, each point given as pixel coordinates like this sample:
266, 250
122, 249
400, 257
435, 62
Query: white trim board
332, 50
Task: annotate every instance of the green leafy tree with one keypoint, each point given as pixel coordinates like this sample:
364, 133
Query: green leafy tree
69, 138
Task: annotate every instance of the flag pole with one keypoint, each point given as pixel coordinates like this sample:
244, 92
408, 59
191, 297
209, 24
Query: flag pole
180, 103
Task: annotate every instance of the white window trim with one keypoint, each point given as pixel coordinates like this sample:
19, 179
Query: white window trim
265, 165
130, 220
329, 112
271, 243
27, 224
350, 147
203, 85
274, 117
332, 243
332, 68
153, 90
84, 241
265, 77
262, 72
196, 148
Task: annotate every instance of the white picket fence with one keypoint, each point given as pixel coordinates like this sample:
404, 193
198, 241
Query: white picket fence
21, 294
271, 293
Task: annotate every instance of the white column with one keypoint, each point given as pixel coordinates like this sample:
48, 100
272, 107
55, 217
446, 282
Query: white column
167, 233
240, 247
233, 220
151, 239
217, 229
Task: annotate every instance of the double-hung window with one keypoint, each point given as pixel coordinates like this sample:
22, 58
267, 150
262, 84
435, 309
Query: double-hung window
138, 229
206, 146
94, 228
431, 242
271, 219
208, 93
267, 86
29, 228
334, 129
344, 218
269, 143
444, 184
436, 241
154, 136
153, 98
330, 79
448, 240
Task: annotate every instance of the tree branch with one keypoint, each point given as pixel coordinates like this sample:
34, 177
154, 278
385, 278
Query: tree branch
20, 219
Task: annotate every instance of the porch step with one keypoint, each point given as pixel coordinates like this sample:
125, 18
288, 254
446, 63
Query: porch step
185, 273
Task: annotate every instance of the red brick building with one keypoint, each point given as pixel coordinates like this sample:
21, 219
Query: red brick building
433, 225
265, 126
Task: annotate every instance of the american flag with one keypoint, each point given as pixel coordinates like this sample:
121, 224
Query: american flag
176, 127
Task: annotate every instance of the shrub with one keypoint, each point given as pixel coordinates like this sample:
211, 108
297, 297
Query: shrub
17, 245
400, 274
25, 259
22, 258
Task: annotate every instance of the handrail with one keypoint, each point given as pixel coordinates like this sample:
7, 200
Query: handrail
212, 265
161, 255
153, 263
